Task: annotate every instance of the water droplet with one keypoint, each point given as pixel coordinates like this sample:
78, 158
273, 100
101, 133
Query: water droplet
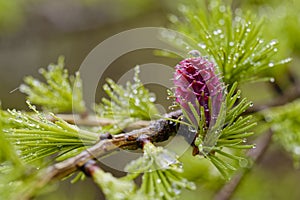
36, 83
217, 32
173, 18
182, 8
176, 191
152, 97
248, 30
271, 64
170, 190
191, 185
260, 41
137, 69
208, 36
221, 22
222, 8
243, 162
297, 150
41, 70
251, 104
286, 60
158, 181
272, 80
237, 19
231, 44
195, 53
273, 42
275, 49
19, 121
19, 152
23, 88
137, 102
31, 125
202, 45
192, 129
78, 84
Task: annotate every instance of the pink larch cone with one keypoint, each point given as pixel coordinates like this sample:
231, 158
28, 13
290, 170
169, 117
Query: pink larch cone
195, 79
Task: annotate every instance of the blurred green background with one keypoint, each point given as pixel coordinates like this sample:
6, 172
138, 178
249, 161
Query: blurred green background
34, 33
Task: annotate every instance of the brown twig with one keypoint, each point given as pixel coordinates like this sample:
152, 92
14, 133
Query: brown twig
92, 120
157, 131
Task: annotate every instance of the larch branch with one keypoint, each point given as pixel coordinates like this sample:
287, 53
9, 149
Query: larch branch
157, 131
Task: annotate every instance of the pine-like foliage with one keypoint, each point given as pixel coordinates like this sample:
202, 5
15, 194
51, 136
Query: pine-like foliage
162, 173
232, 39
285, 123
36, 137
61, 93
126, 104
131, 102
